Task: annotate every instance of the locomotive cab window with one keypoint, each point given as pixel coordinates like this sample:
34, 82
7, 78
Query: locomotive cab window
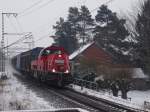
57, 52
46, 52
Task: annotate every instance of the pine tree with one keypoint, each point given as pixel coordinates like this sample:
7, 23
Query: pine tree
110, 32
64, 35
86, 24
59, 32
73, 18
142, 49
77, 27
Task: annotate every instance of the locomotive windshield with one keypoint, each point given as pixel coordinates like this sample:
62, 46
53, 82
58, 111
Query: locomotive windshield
46, 52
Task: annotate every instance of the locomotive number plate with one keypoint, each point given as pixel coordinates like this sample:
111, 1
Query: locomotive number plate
59, 61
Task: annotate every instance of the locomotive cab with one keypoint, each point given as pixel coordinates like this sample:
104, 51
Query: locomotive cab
53, 65
55, 60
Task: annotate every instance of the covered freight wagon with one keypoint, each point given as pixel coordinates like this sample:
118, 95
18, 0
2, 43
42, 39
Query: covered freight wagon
27, 57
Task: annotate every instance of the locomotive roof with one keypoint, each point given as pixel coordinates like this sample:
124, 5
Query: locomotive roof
54, 47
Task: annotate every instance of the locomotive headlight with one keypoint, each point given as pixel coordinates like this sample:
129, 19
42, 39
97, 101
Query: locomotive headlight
67, 71
59, 55
53, 70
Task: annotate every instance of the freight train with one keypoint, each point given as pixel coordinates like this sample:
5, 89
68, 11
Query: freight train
49, 65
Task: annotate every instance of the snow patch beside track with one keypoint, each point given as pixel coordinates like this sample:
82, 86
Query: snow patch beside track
107, 96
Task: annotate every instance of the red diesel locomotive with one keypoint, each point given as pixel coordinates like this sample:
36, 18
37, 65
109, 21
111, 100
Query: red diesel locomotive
51, 65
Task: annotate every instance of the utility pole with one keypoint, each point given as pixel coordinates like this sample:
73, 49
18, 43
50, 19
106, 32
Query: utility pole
3, 41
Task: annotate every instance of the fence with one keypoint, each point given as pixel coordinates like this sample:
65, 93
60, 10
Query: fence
90, 85
87, 84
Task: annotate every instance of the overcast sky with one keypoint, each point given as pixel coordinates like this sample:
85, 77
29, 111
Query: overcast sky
40, 18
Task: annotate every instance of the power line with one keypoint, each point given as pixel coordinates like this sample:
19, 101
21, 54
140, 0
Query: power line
55, 17
84, 2
46, 24
19, 40
30, 7
41, 6
106, 3
42, 37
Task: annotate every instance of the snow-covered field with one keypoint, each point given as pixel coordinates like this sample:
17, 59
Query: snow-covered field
137, 97
15, 96
140, 97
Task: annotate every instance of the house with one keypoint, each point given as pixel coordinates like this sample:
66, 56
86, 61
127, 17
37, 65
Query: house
139, 80
92, 53
96, 55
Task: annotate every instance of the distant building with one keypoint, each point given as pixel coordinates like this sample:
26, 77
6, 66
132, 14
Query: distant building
93, 52
140, 81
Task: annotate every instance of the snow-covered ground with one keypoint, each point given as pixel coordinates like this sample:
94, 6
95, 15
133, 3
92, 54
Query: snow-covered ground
16, 95
140, 97
137, 97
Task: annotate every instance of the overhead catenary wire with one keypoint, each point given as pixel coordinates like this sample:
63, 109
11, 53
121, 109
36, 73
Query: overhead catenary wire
30, 7
46, 24
41, 6
18, 41
106, 3
42, 37
109, 1
16, 32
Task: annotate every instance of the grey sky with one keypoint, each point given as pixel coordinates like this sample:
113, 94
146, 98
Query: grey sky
40, 18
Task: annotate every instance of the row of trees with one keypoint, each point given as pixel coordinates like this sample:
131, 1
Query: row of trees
80, 28
109, 32
141, 51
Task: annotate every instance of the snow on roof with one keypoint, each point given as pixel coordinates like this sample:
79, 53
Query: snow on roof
138, 73
80, 50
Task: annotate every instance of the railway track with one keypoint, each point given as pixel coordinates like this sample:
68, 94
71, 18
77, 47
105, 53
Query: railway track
112, 105
90, 103
98, 105
53, 91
